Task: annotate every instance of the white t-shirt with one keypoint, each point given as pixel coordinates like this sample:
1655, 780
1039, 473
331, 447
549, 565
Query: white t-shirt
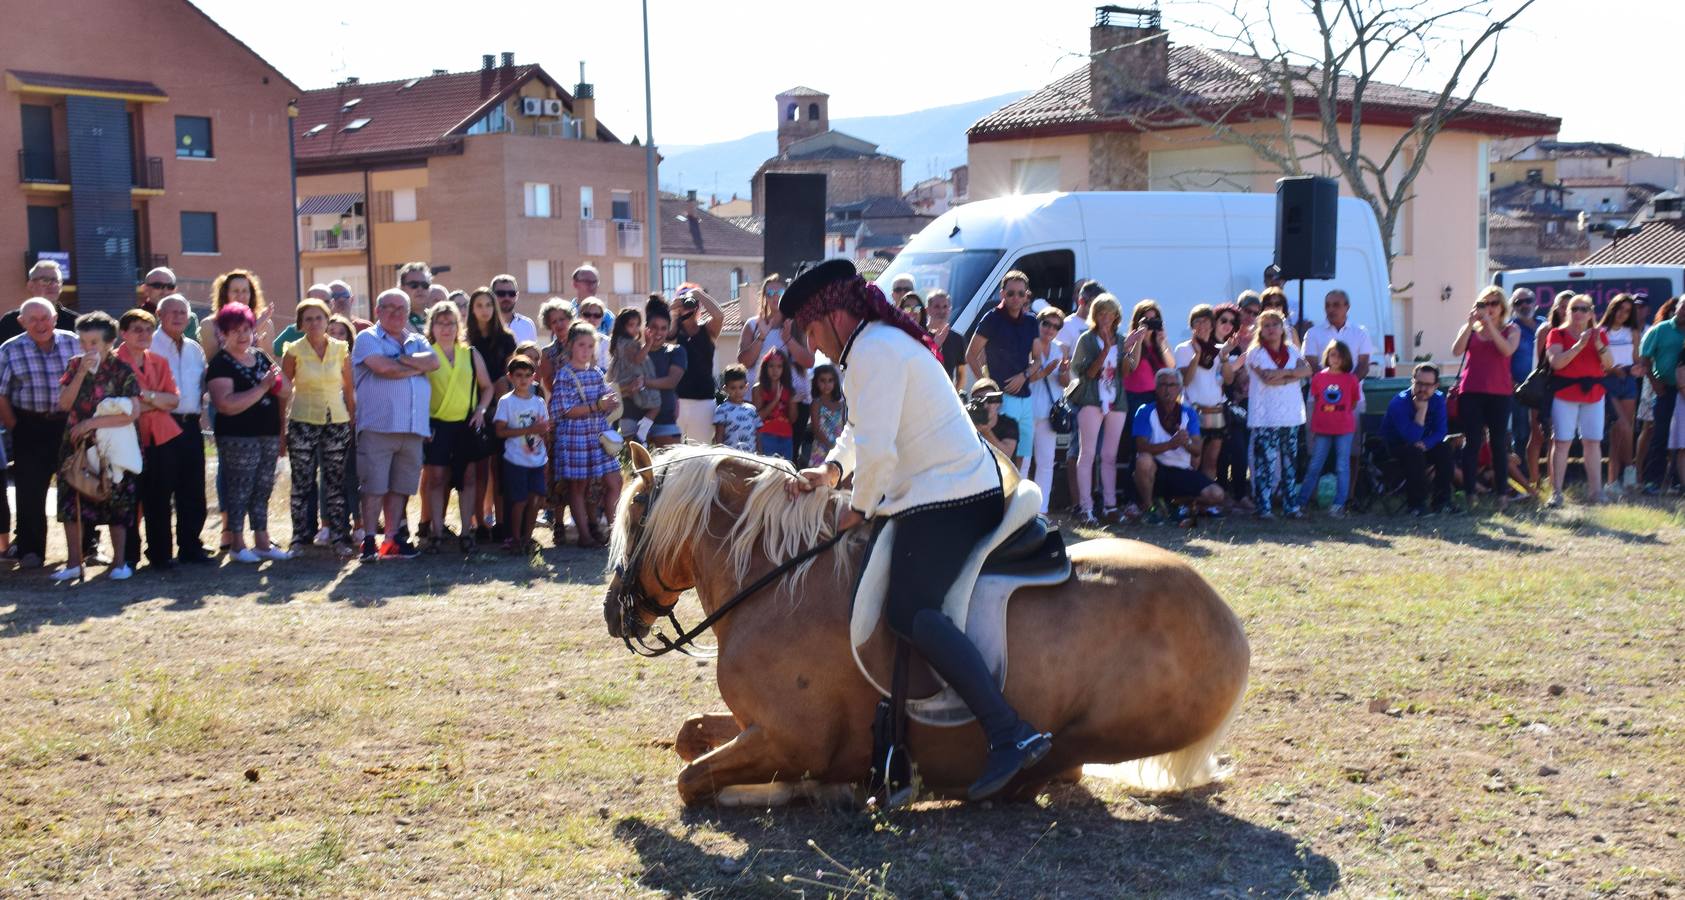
1206, 387
1273, 406
516, 412
1354, 336
1073, 328
1620, 345
523, 329
1047, 389
1110, 381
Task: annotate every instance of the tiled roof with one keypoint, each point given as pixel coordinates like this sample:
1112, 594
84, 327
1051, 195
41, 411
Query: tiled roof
1220, 84
731, 314
53, 81
832, 153
700, 234
415, 115
1585, 149
1660, 242
799, 91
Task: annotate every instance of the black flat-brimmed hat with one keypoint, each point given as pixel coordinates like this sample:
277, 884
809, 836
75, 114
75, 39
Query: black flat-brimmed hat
809, 282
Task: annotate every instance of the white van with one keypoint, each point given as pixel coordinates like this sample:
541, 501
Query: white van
1650, 283
1179, 248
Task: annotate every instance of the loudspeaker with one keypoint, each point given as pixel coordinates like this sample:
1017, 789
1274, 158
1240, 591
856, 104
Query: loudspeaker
795, 222
1305, 210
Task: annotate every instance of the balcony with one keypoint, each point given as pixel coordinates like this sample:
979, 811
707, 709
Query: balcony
593, 237
349, 237
43, 167
148, 173
629, 238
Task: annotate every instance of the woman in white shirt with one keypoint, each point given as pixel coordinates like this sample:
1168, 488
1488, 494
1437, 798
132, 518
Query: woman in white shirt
1047, 382
1201, 361
1275, 413
1096, 392
1620, 326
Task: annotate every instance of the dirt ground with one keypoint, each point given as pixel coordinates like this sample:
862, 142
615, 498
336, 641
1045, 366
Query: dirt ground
1475, 706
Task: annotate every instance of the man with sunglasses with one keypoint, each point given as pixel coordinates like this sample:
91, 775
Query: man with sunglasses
415, 279
1001, 350
507, 291
45, 283
1522, 303
340, 298
585, 282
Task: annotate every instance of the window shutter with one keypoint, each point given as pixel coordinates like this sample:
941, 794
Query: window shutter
557, 276
383, 206
421, 204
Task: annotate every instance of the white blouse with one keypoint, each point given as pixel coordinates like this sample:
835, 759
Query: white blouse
1206, 387
1273, 406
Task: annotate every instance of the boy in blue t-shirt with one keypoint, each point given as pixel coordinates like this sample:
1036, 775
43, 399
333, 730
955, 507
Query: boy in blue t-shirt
736, 424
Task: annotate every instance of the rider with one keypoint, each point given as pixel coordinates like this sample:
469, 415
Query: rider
915, 458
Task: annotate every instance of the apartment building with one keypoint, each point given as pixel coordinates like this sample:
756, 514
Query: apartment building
495, 170
142, 138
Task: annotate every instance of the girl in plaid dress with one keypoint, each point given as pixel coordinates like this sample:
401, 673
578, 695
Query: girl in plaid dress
580, 396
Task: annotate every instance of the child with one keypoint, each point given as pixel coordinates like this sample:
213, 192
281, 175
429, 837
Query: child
735, 420
629, 365
1333, 421
775, 403
830, 413
524, 425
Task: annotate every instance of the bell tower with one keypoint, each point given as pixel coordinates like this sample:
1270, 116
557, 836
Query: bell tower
802, 113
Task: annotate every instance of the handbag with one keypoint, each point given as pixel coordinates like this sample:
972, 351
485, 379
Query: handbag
1535, 392
1059, 413
609, 438
94, 483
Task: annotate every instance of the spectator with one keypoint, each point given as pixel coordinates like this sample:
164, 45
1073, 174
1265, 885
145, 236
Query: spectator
1621, 328
830, 412
1166, 444
1075, 324
736, 423
938, 321
389, 368
184, 456
775, 404
243, 287
586, 280
318, 366
415, 280
1200, 359
1000, 350
593, 311
459, 394
984, 409
45, 282
250, 397
1661, 350
1541, 417
30, 367
1579, 355
1336, 305
492, 340
507, 292
1485, 385
1145, 351
627, 370
767, 330
1049, 374
1333, 424
1096, 392
668, 363
557, 317
586, 399
1414, 432
293, 332
158, 284
698, 321
1676, 434
902, 285
524, 427
155, 429
340, 298
93, 376
1521, 304
1275, 413
341, 328
1237, 446
913, 305
1273, 297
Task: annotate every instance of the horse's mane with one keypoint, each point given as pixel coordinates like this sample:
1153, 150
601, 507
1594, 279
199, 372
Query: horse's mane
691, 488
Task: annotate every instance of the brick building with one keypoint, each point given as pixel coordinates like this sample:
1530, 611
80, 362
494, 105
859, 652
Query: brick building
495, 170
854, 170
159, 140
725, 258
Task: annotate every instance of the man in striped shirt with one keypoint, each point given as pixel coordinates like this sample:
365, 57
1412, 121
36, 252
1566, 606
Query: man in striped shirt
30, 367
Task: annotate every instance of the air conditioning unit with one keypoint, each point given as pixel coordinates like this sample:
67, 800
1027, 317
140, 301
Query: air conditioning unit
552, 107
532, 106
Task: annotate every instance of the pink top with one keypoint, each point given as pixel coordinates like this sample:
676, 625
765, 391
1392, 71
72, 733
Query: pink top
1333, 402
1485, 370
1145, 377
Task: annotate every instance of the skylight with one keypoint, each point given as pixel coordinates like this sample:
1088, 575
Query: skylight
355, 124
318, 129
349, 104
409, 84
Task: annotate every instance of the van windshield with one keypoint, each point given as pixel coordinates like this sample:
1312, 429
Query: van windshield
959, 272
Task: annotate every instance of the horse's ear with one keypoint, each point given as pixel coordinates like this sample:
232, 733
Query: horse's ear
641, 461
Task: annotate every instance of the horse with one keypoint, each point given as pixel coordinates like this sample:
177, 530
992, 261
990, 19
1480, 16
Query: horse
1134, 660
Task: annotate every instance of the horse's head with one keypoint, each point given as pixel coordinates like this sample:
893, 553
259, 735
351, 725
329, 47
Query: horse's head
637, 595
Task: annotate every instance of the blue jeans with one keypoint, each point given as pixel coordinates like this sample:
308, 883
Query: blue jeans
1321, 445
1520, 426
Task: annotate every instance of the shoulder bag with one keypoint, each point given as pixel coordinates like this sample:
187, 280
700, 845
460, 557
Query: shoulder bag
1058, 411
609, 439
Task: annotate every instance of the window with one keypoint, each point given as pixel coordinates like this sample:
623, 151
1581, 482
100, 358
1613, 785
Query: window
494, 121
813, 112
1035, 176
198, 232
537, 200
736, 283
350, 104
790, 112
403, 205
587, 204
193, 136
672, 275
538, 276
355, 125
43, 228
316, 129
623, 278
620, 205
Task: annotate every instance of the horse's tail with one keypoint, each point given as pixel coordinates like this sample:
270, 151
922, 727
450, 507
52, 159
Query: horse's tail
1190, 767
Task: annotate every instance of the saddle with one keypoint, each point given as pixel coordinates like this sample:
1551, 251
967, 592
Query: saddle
1023, 552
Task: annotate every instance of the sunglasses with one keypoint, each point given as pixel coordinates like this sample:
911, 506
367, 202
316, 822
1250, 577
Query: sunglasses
595, 317
775, 292
340, 295
507, 293
1015, 293
1579, 309
1493, 303
1053, 325
161, 286
418, 285
585, 280
1227, 320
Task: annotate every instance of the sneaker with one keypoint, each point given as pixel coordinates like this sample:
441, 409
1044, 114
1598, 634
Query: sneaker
275, 553
1086, 518
96, 559
245, 555
121, 573
1296, 513
196, 558
1213, 512
298, 548
1556, 500
369, 551
30, 561
12, 552
1006, 761
344, 549
399, 549
1153, 517
1652, 490
322, 538
69, 573
1612, 493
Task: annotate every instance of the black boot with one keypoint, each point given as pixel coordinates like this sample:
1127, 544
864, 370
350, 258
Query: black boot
1013, 744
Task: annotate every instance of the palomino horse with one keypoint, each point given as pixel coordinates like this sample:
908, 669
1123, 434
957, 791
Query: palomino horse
1134, 659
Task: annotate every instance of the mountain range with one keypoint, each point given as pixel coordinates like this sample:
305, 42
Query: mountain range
930, 141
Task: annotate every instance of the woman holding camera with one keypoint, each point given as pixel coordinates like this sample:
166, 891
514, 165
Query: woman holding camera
1485, 387
1145, 351
1097, 393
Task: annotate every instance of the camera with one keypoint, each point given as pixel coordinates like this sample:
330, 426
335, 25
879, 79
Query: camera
688, 300
977, 407
1154, 324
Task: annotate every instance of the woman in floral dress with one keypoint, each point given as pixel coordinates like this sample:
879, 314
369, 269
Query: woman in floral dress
92, 377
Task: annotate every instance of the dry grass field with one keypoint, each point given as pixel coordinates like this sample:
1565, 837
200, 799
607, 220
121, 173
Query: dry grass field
1474, 706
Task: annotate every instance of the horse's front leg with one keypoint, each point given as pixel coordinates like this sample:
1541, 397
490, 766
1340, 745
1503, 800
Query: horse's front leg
703, 732
749, 758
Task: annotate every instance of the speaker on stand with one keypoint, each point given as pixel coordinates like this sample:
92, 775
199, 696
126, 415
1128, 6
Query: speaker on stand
1306, 221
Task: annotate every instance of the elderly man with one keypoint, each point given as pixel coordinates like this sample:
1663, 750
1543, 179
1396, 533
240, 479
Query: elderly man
901, 287
415, 280
158, 284
1167, 442
45, 281
340, 297
507, 292
184, 455
30, 367
586, 280
1337, 306
390, 365
1002, 345
292, 332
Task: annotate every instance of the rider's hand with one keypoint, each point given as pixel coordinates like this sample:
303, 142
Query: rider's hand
808, 480
848, 518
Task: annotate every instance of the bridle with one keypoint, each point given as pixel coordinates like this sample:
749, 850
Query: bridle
633, 599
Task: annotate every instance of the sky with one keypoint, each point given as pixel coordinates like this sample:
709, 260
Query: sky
717, 66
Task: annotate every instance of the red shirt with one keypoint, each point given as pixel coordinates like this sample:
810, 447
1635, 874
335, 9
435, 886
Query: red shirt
153, 372
1585, 364
1333, 402
777, 424
1485, 370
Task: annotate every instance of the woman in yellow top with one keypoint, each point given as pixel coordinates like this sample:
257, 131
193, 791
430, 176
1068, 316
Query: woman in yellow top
319, 427
461, 393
